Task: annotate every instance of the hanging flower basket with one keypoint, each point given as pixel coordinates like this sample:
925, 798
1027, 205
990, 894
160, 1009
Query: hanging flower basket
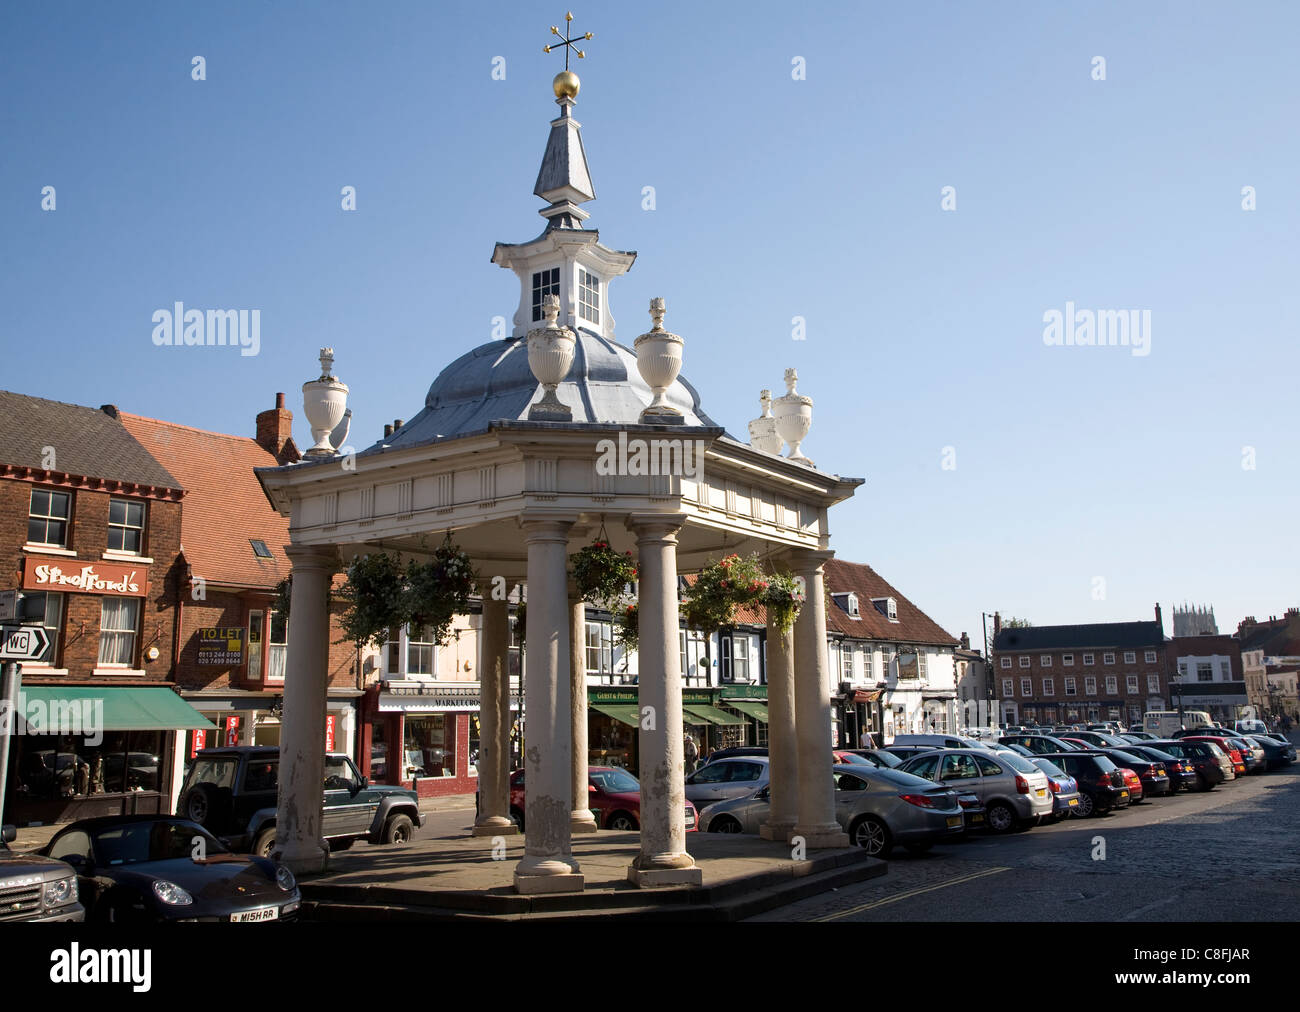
782, 600
721, 588
376, 598
439, 590
602, 574
626, 618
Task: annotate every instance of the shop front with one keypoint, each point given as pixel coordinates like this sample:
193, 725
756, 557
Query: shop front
860, 716
750, 703
425, 735
88, 751
253, 718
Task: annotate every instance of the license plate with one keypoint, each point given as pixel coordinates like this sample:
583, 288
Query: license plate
1123, 794
1042, 793
1074, 803
954, 820
977, 818
261, 914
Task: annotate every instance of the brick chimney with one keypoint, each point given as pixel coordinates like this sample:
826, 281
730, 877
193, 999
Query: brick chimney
275, 432
997, 624
1160, 621
965, 641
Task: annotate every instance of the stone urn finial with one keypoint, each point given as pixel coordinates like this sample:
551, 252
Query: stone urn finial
659, 360
794, 417
762, 430
550, 355
324, 402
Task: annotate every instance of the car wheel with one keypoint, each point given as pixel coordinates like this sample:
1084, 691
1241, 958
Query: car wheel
1087, 806
264, 845
725, 824
872, 835
1000, 817
622, 822
202, 806
398, 829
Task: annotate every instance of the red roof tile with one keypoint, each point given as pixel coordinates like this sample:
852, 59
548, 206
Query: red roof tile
224, 505
913, 625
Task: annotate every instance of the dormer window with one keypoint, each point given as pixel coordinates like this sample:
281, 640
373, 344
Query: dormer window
588, 296
887, 606
544, 283
847, 602
853, 605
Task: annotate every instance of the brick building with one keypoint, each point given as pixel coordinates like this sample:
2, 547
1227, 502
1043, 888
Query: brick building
1208, 675
90, 530
1067, 673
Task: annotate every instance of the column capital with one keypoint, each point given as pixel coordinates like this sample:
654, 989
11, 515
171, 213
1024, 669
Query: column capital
808, 560
317, 557
546, 526
655, 526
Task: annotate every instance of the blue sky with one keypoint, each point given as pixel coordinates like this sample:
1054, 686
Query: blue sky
775, 198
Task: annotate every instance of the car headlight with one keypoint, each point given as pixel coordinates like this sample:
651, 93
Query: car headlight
171, 893
60, 891
284, 878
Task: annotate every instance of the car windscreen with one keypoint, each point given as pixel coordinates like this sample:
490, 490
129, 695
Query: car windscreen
1050, 768
1121, 756
220, 772
615, 781
137, 842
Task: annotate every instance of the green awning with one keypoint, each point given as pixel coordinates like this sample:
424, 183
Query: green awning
749, 706
624, 713
711, 715
153, 709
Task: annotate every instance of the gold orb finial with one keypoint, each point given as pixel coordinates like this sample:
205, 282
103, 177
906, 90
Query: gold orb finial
566, 84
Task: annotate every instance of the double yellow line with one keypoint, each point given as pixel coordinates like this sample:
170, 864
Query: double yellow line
912, 892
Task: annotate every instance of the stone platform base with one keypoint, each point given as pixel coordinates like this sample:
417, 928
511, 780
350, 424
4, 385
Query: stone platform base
533, 885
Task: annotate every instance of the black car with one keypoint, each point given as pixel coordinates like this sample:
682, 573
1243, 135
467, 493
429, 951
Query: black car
1039, 744
1155, 778
1182, 774
150, 868
1101, 785
1197, 754
1276, 754
729, 753
904, 752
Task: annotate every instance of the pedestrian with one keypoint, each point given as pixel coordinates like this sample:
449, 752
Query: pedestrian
691, 753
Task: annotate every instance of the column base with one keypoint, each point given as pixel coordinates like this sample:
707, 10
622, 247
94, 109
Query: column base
532, 885
308, 861
821, 837
582, 822
659, 878
779, 831
495, 825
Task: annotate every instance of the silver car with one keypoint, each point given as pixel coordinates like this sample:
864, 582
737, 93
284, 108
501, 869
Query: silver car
878, 808
736, 777
1015, 792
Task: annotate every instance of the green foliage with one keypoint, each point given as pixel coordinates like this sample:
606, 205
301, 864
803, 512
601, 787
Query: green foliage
626, 624
783, 598
439, 590
382, 595
721, 588
376, 598
283, 594
602, 574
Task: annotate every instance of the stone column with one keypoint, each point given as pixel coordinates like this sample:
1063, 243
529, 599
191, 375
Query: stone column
663, 860
547, 864
580, 819
782, 744
298, 837
494, 719
816, 825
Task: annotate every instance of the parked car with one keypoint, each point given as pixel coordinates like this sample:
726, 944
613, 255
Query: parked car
733, 752
1276, 754
614, 799
1064, 788
726, 778
934, 740
849, 757
1182, 774
231, 792
35, 888
1230, 750
905, 752
1095, 739
1013, 749
1250, 727
1210, 762
1252, 754
1038, 744
1153, 778
1137, 734
1101, 785
1013, 790
141, 868
878, 757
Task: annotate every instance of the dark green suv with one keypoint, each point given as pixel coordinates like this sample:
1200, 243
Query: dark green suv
231, 792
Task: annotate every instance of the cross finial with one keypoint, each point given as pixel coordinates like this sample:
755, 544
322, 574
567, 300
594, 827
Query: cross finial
567, 41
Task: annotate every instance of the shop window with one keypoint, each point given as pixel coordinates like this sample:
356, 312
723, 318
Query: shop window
47, 518
125, 526
277, 647
49, 767
475, 740
378, 752
119, 618
430, 746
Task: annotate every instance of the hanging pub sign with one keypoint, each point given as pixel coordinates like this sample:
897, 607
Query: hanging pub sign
222, 645
109, 578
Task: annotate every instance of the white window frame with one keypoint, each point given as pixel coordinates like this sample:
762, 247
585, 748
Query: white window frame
1025, 661
1071, 686
1107, 658
124, 527
1067, 660
1131, 685
603, 648
1006, 663
1027, 688
118, 634
1130, 657
1153, 685
588, 296
277, 654
47, 517
1045, 660
1090, 685
1149, 656
1049, 686
1089, 659
1008, 688
541, 283
1112, 685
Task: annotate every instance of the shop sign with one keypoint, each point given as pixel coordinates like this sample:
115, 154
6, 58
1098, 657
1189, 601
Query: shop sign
232, 730
222, 646
111, 579
405, 697
329, 731
198, 740
743, 692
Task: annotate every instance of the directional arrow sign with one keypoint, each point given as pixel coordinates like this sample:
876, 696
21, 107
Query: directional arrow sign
23, 643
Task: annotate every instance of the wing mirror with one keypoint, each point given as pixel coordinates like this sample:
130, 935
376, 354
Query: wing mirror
9, 833
363, 783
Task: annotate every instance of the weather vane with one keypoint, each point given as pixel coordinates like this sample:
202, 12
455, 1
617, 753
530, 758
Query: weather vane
567, 41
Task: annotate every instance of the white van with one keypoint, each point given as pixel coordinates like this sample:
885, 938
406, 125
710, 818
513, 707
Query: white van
1250, 726
935, 740
1163, 723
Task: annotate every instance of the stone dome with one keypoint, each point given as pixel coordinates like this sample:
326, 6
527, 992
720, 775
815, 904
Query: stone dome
494, 382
